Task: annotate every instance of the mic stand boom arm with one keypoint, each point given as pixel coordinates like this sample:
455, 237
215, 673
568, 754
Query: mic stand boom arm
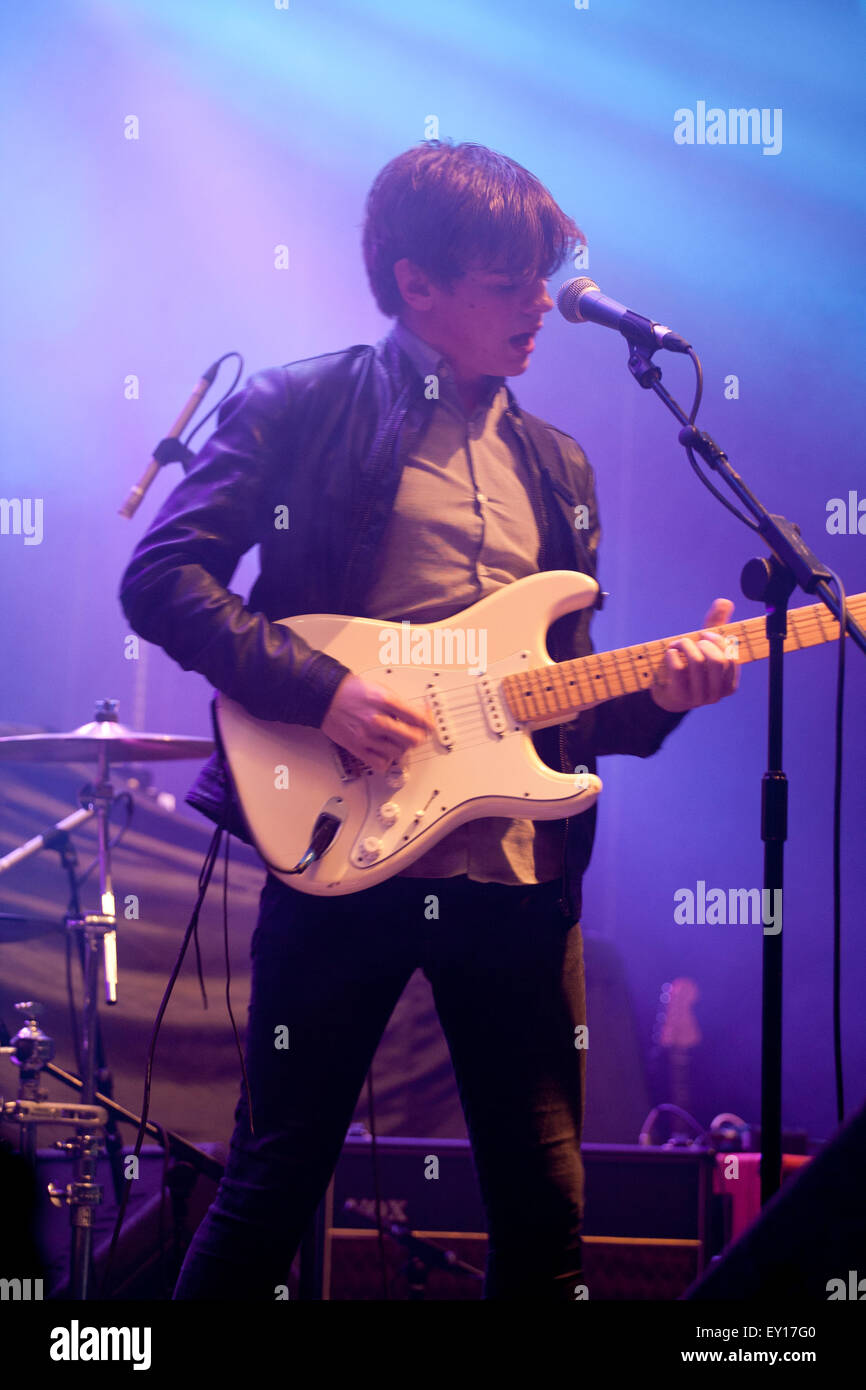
772, 581
780, 535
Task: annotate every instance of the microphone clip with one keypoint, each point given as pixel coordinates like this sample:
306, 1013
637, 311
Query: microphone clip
641, 365
171, 450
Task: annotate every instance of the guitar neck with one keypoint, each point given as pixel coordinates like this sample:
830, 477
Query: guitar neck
567, 687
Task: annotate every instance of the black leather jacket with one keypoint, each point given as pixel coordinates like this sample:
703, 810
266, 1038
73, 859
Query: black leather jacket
327, 438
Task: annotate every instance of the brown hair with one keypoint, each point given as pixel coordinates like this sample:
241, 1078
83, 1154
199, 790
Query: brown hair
449, 208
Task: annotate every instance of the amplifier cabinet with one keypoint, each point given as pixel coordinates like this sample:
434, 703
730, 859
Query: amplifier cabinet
651, 1221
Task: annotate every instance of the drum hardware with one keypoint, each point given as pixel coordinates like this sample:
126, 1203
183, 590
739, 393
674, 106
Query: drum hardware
103, 741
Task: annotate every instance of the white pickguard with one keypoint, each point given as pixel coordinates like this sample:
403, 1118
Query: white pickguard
481, 762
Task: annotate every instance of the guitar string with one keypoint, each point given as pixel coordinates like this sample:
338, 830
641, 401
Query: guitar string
805, 622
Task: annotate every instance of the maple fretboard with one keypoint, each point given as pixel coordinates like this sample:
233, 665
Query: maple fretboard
567, 687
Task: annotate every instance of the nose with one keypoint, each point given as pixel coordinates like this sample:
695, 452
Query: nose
541, 300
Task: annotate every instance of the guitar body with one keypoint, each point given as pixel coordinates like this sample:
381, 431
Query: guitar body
488, 681
480, 762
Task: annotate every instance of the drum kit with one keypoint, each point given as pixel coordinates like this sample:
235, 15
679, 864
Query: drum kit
105, 742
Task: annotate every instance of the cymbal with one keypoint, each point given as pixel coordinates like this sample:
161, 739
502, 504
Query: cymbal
85, 744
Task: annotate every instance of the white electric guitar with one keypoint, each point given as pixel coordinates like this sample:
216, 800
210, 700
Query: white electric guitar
487, 680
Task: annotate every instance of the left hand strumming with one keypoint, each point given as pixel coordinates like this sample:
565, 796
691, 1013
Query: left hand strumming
697, 673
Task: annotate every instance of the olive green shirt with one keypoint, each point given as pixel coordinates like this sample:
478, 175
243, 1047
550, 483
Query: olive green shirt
462, 526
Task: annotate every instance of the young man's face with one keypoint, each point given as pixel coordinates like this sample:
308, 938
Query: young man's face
486, 324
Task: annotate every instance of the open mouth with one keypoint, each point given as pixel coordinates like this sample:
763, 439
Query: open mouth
523, 342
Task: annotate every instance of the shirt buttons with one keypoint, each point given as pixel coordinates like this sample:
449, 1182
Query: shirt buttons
480, 497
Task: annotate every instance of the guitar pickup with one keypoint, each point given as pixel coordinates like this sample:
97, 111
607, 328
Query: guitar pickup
444, 727
494, 710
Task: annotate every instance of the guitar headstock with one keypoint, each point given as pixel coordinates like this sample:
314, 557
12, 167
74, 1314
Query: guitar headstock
678, 1026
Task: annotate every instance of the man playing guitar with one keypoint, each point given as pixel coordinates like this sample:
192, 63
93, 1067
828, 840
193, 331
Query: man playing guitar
415, 486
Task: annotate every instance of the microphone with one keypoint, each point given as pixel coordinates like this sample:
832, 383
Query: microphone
581, 301
169, 450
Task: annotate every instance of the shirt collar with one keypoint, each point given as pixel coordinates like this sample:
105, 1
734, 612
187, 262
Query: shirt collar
429, 361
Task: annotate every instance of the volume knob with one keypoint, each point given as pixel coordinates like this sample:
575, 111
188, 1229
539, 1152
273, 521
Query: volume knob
389, 811
371, 847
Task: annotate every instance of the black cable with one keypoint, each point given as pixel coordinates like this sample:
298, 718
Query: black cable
204, 879
645, 1137
167, 1284
126, 798
72, 910
699, 385
735, 511
199, 968
224, 397
719, 496
377, 1191
837, 857
837, 776
70, 995
246, 1080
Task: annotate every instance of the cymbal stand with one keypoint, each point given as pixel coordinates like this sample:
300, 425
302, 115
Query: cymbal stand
60, 840
84, 1193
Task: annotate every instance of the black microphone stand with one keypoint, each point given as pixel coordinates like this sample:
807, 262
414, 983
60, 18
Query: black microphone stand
423, 1256
770, 581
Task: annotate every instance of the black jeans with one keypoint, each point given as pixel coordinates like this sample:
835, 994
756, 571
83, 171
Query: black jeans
506, 969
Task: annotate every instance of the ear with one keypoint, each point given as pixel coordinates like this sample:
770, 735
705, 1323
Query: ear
415, 285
